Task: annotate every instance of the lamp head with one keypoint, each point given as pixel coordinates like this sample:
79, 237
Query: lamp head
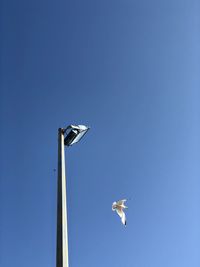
74, 133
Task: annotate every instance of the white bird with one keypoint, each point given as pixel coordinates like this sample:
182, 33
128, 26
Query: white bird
118, 207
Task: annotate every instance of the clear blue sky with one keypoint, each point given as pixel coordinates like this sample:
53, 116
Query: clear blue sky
129, 69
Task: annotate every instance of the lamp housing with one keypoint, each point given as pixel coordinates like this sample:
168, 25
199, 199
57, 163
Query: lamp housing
74, 133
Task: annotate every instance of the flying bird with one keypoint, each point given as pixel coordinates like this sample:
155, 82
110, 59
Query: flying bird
118, 207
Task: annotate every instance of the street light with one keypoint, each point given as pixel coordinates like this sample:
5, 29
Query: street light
66, 137
74, 133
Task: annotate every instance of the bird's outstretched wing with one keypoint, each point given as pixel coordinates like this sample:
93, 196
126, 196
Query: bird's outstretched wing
121, 215
123, 219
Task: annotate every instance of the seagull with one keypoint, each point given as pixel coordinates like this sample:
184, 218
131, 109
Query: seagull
118, 207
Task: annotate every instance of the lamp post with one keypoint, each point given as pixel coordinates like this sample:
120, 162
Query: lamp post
66, 137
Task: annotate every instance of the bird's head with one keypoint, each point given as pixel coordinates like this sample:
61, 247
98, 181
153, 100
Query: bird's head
114, 205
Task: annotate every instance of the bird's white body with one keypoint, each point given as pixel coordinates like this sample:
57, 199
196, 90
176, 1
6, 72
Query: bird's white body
118, 207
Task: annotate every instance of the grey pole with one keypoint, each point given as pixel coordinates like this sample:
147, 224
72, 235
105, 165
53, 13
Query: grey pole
62, 230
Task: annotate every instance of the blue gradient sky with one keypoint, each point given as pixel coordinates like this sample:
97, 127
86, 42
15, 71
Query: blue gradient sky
130, 70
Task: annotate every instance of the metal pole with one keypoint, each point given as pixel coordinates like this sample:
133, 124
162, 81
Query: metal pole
62, 230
